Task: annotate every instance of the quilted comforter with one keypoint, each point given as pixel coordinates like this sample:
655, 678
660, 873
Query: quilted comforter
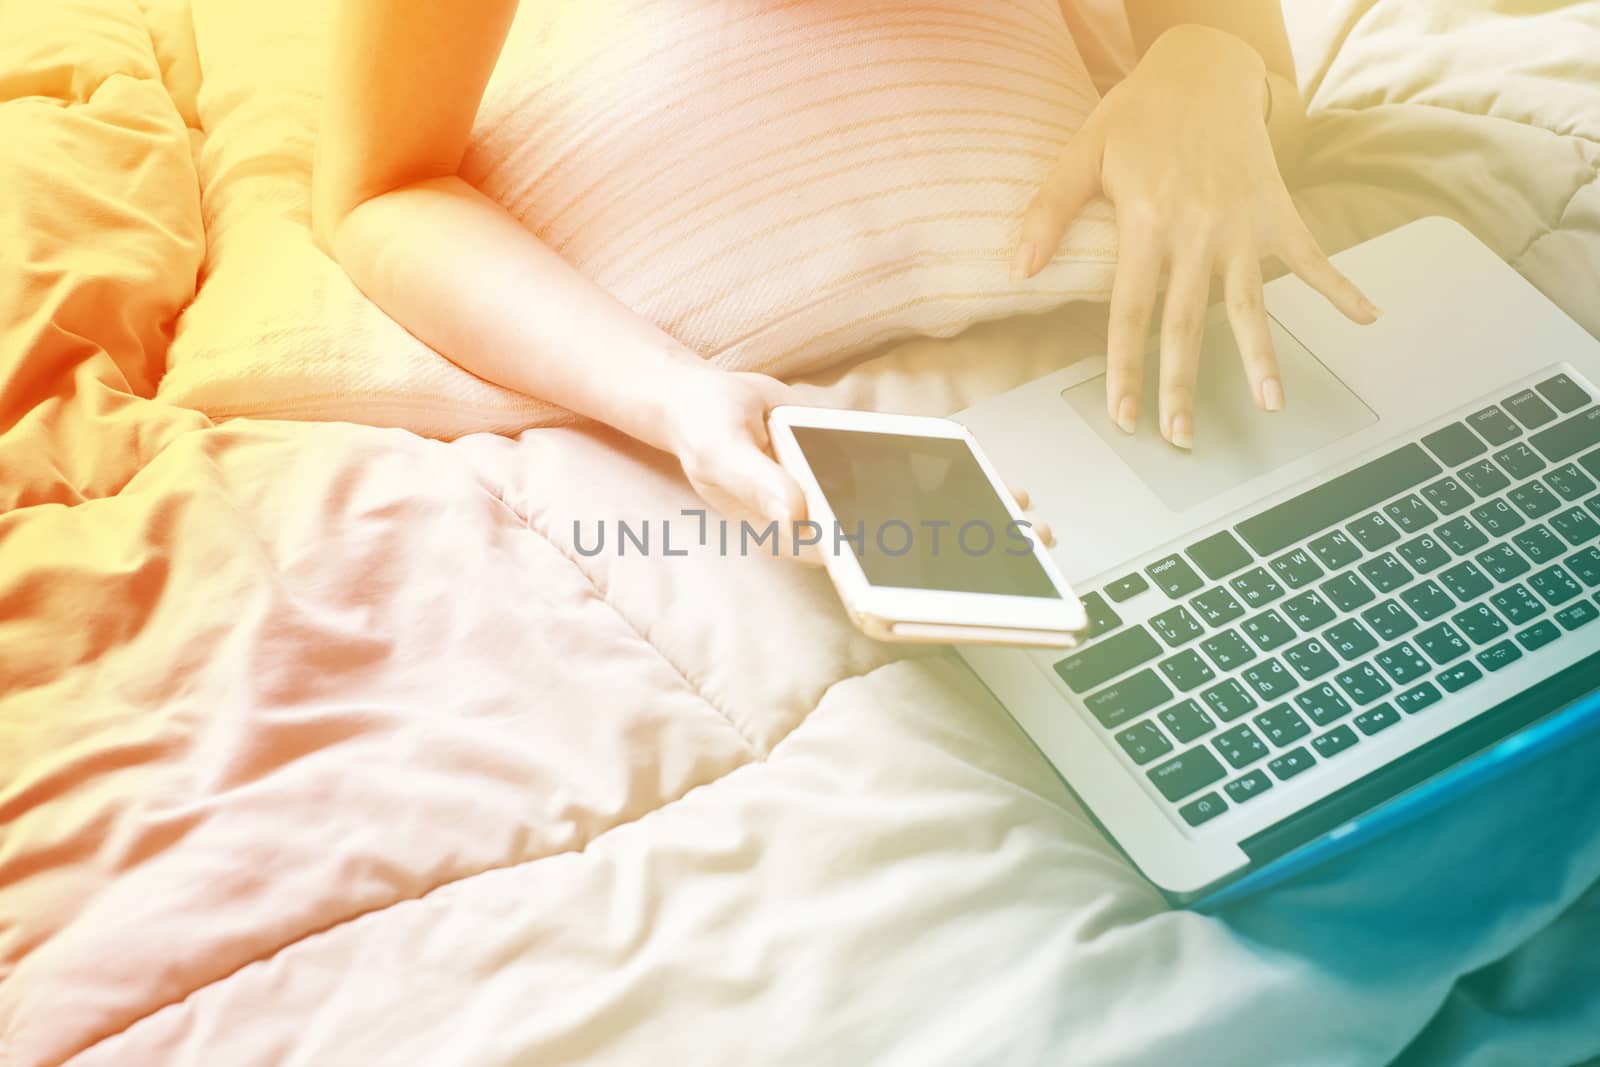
324, 744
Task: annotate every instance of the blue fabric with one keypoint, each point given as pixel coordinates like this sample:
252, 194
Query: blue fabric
1488, 912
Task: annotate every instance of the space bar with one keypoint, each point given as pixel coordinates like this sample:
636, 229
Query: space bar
1336, 500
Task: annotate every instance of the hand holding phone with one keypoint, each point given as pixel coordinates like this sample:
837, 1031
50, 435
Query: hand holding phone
919, 534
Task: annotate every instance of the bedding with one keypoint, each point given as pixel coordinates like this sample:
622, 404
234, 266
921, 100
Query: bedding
777, 186
322, 743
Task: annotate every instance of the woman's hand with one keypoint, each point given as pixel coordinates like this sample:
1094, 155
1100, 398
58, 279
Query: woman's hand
716, 424
1181, 148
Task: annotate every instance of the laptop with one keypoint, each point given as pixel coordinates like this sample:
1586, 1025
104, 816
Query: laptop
1322, 623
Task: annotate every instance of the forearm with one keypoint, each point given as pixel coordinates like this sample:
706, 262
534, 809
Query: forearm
458, 272
1259, 24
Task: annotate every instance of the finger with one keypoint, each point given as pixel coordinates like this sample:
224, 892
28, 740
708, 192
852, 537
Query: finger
1182, 327
1301, 254
1046, 535
1133, 299
1247, 314
1073, 182
1019, 495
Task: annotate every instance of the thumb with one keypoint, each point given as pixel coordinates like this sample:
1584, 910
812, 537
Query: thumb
766, 489
1071, 185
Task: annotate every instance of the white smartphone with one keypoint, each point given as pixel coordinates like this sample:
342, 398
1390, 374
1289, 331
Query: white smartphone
919, 534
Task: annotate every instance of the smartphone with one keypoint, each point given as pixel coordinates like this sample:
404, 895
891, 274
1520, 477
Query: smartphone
919, 534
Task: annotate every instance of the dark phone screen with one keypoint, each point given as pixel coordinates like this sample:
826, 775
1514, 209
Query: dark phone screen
919, 513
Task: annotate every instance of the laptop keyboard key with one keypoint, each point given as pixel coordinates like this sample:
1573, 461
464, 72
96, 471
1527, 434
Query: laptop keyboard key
1494, 426
1428, 600
1374, 531
1483, 478
1576, 526
1176, 626
1105, 659
1127, 587
1217, 606
1376, 720
1219, 555
1569, 482
1479, 623
1454, 445
1248, 787
1268, 631
1586, 566
1128, 699
1503, 563
1350, 639
1102, 620
1174, 577
1293, 762
1256, 588
1227, 650
1441, 643
1497, 518
1403, 663
1364, 684
1424, 553
1410, 514
1228, 700
1334, 741
1454, 679
1517, 604
1529, 409
1538, 635
1335, 550
1310, 659
1240, 746
1418, 697
1389, 620
1347, 591
1187, 774
1385, 572
1144, 742
1580, 614
1187, 721
1447, 496
1539, 544
1282, 725
1534, 500
1462, 536
1308, 611
1270, 680
1202, 811
1323, 705
1465, 581
1569, 437
1187, 670
1297, 569
1500, 655
1567, 395
1519, 460
1555, 585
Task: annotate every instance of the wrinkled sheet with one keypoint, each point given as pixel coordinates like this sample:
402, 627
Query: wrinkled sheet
322, 744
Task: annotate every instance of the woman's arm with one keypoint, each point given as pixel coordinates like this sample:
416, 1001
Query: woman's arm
459, 272
1183, 149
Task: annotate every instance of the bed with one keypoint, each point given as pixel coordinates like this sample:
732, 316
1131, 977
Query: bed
322, 743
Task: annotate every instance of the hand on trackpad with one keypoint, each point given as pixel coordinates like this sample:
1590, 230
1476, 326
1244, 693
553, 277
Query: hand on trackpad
1235, 441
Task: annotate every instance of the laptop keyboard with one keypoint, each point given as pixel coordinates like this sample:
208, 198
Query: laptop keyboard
1324, 620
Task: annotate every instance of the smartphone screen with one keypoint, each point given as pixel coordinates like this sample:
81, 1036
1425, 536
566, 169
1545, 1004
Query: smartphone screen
919, 513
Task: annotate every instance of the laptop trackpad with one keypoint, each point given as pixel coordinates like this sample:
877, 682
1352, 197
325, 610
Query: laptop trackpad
1234, 440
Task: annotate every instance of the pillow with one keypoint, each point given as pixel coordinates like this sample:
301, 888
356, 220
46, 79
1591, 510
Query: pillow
778, 185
